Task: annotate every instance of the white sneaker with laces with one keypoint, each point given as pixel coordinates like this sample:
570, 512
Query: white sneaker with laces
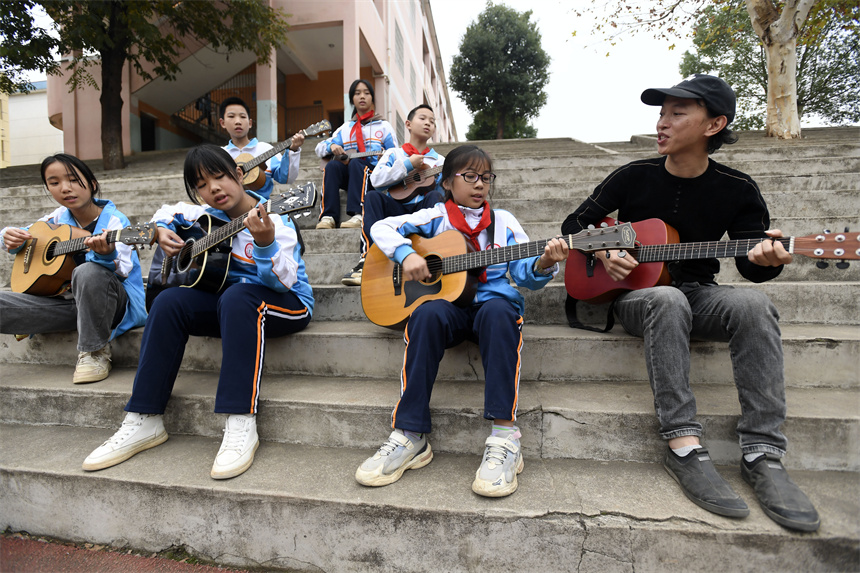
237, 448
394, 457
326, 223
497, 475
138, 432
354, 222
92, 366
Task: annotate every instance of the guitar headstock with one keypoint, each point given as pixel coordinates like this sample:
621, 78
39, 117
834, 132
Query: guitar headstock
620, 236
138, 234
826, 245
318, 127
301, 198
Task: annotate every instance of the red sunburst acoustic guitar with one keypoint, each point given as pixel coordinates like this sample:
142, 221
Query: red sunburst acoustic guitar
657, 243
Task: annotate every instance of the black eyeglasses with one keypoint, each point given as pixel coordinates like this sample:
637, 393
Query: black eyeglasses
471, 177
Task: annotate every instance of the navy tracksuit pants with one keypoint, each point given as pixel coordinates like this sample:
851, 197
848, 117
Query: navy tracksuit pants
354, 177
436, 325
243, 316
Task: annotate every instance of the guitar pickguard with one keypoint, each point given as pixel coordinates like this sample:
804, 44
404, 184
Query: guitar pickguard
414, 290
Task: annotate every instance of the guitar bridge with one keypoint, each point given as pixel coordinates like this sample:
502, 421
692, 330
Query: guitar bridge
397, 279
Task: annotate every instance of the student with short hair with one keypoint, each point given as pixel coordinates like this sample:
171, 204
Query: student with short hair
395, 165
236, 119
105, 296
365, 132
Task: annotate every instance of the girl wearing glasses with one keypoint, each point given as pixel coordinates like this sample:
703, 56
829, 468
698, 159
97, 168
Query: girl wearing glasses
493, 320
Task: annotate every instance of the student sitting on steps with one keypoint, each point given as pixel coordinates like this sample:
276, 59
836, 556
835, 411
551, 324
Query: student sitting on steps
105, 296
236, 119
393, 167
494, 320
702, 200
366, 132
267, 296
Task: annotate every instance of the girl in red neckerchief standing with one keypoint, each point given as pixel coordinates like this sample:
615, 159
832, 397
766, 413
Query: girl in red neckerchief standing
366, 132
493, 320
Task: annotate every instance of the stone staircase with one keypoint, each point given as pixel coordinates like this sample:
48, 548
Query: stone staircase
593, 497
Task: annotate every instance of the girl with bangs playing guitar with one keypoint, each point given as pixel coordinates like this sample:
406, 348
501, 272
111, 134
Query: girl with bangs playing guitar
104, 295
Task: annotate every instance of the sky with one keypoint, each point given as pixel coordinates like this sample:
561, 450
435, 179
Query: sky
591, 96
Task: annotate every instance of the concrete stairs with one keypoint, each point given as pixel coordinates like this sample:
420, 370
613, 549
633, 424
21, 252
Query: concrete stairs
593, 496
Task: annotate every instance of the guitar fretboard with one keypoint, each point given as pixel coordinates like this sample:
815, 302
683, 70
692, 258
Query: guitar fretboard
75, 245
702, 250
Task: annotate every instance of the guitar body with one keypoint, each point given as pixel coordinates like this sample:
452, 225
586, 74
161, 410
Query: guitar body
34, 270
254, 178
599, 287
387, 300
208, 270
414, 184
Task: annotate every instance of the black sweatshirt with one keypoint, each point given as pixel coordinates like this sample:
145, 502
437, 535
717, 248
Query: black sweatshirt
701, 208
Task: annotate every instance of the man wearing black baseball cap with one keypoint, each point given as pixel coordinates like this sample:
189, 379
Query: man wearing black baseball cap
702, 200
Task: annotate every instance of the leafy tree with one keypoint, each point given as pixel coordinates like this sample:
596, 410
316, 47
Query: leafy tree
484, 127
148, 34
828, 71
501, 70
777, 25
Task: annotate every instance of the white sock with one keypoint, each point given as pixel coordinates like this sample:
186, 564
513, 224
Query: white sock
683, 451
753, 456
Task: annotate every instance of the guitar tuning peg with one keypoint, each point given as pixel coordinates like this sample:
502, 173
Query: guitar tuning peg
846, 230
604, 224
590, 227
826, 231
821, 265
842, 265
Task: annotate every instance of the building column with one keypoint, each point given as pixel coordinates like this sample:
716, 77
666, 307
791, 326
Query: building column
351, 60
267, 99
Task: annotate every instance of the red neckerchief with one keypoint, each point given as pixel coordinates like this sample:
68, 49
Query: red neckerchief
356, 133
458, 221
410, 150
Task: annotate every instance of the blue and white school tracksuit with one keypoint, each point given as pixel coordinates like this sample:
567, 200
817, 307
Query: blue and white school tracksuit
493, 320
378, 204
268, 296
355, 176
276, 168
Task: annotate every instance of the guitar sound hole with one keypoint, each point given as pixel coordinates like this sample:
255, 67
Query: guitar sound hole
183, 258
434, 263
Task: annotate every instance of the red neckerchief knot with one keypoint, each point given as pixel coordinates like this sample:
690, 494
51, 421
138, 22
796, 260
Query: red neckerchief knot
458, 221
411, 150
357, 133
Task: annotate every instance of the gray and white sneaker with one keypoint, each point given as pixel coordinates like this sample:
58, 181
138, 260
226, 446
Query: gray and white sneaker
394, 457
138, 432
497, 476
237, 448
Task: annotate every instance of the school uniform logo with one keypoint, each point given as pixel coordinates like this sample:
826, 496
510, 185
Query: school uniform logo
249, 250
378, 134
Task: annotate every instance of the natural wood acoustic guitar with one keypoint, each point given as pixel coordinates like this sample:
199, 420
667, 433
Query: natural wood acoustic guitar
657, 243
388, 300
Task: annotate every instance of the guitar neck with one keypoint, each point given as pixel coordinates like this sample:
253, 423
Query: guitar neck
263, 157
419, 175
702, 250
76, 245
231, 229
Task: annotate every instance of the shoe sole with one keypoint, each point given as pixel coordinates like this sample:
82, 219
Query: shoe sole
713, 508
373, 480
349, 225
89, 378
233, 472
323, 227
486, 489
107, 463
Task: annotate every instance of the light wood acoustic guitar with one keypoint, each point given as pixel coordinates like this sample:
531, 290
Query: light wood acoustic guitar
388, 300
45, 263
657, 242
419, 181
204, 260
255, 177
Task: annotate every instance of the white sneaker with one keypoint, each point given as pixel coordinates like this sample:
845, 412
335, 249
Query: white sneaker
394, 457
326, 223
138, 432
237, 448
92, 366
353, 223
497, 475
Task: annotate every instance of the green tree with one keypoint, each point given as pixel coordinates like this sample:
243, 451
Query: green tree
148, 34
828, 71
484, 127
501, 70
777, 24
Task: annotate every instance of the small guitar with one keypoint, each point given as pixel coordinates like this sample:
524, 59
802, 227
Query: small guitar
255, 177
658, 242
44, 264
388, 300
414, 183
346, 157
204, 260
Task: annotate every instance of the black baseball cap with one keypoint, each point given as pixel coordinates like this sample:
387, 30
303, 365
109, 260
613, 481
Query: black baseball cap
717, 94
